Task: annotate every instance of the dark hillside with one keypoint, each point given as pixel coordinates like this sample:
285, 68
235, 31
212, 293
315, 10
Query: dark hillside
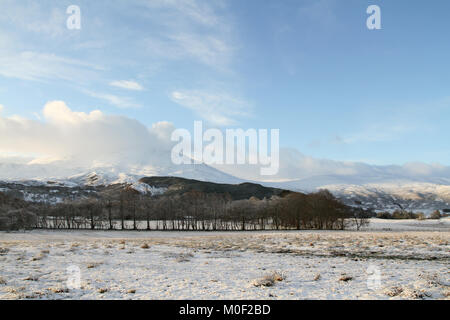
241, 191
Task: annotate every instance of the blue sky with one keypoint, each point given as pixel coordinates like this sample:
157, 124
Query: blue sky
335, 89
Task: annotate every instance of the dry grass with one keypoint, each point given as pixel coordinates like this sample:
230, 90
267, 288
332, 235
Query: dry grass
31, 278
345, 278
394, 291
446, 293
58, 290
184, 257
16, 291
196, 250
38, 257
413, 294
269, 280
92, 265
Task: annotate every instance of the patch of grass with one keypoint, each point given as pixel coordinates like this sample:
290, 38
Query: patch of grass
269, 280
92, 265
345, 278
15, 290
413, 294
184, 257
58, 290
446, 293
31, 278
145, 246
38, 257
394, 291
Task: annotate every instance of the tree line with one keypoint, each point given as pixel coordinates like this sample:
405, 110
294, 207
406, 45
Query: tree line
190, 211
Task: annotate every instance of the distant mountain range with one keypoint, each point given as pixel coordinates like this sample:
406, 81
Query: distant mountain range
41, 181
380, 193
71, 173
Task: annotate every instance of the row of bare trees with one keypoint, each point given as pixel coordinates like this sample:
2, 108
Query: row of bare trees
196, 211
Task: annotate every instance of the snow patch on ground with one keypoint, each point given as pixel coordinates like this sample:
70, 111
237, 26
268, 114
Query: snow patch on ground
226, 265
409, 225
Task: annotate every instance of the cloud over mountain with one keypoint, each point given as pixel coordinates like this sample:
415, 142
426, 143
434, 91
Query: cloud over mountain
87, 137
96, 139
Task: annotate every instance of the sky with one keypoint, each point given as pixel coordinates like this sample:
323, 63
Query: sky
311, 68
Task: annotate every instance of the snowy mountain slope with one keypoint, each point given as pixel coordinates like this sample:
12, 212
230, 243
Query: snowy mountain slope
57, 181
317, 182
71, 175
381, 190
425, 197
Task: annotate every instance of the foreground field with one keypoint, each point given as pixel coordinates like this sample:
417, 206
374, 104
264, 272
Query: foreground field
261, 265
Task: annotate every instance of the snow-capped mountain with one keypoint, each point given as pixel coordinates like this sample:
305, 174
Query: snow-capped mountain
62, 180
425, 197
109, 176
380, 190
71, 174
383, 192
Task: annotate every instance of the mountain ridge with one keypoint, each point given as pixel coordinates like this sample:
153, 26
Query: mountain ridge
382, 192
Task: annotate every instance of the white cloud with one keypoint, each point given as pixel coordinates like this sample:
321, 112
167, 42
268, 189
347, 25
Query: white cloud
209, 50
197, 11
94, 137
120, 102
34, 42
87, 137
58, 113
127, 84
92, 44
378, 133
36, 66
31, 16
206, 49
1, 108
191, 29
295, 166
422, 169
217, 108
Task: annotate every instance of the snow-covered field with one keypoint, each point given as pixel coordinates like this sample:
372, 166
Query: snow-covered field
390, 260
